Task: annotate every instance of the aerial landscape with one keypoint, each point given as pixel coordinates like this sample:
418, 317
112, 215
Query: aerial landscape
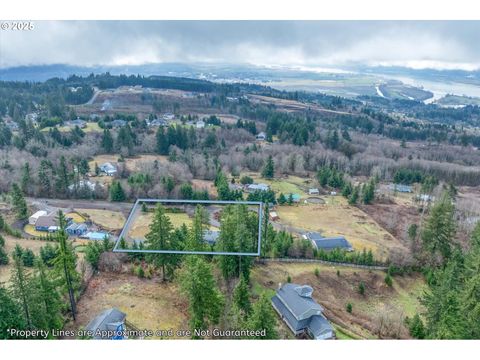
216, 194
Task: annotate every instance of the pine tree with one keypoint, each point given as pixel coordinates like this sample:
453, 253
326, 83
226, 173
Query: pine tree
416, 327
195, 238
63, 178
116, 192
10, 315
162, 142
205, 302
107, 141
160, 237
438, 233
353, 199
47, 298
65, 264
263, 317
241, 298
19, 203
26, 178
20, 283
269, 168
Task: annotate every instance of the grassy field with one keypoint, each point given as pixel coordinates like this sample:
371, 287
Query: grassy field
147, 303
140, 227
109, 220
333, 292
137, 163
336, 217
10, 243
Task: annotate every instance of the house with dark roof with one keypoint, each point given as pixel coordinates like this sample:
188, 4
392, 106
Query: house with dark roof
320, 242
109, 320
302, 314
77, 229
46, 222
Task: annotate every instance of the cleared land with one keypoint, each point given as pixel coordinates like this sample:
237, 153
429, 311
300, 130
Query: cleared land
378, 313
147, 303
336, 217
109, 220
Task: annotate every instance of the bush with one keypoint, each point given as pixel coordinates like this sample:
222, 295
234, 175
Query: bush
289, 279
388, 280
361, 288
349, 308
317, 272
28, 257
140, 272
416, 327
246, 180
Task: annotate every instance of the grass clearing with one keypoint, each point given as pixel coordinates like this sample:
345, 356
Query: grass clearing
109, 220
147, 303
340, 219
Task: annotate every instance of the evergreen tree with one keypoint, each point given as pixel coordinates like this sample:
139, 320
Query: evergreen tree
160, 237
20, 283
416, 327
439, 231
162, 141
107, 141
195, 238
241, 298
19, 203
10, 315
263, 317
65, 264
47, 299
205, 302
116, 192
268, 170
26, 178
353, 199
63, 178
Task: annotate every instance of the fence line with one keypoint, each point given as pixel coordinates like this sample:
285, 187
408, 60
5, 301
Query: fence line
325, 262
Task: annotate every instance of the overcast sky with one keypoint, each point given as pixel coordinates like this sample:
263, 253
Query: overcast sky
441, 45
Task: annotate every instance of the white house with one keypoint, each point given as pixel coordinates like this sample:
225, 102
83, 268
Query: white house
108, 169
261, 136
200, 124
33, 219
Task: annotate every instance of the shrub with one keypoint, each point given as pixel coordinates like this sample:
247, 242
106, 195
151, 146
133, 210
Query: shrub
289, 279
317, 272
388, 280
349, 308
361, 288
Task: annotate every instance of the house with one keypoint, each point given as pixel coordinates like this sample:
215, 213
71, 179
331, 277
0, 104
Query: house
108, 169
400, 188
257, 187
327, 243
33, 219
83, 184
211, 236
77, 229
118, 123
313, 191
425, 198
78, 122
46, 222
200, 124
109, 320
168, 116
301, 313
273, 216
261, 136
235, 187
95, 235
157, 122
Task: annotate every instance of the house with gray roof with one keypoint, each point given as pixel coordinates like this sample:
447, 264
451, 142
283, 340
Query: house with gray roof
109, 320
108, 169
257, 187
302, 314
328, 243
211, 236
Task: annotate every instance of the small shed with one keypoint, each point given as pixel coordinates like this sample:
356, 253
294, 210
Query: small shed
273, 216
313, 191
